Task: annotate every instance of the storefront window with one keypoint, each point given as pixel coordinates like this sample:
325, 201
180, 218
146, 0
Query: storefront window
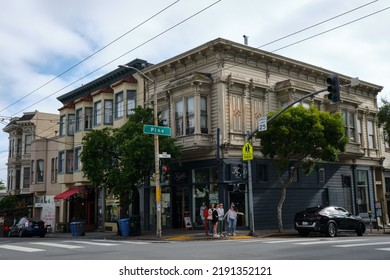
204, 192
362, 188
112, 209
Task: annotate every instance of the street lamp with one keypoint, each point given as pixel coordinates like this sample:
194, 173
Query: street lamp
156, 151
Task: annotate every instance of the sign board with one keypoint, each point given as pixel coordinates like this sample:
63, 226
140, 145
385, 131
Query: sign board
247, 151
262, 123
159, 130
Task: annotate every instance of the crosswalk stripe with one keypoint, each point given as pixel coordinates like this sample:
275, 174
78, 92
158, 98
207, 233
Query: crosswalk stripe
384, 249
21, 249
289, 241
362, 244
328, 241
66, 246
93, 243
124, 241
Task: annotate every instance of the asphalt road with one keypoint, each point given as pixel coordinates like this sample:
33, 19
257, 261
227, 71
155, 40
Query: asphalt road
295, 248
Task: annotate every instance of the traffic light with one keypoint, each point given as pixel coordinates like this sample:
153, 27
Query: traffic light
164, 173
240, 171
333, 88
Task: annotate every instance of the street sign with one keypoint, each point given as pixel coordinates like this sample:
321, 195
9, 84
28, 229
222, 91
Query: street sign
164, 155
159, 130
247, 151
262, 123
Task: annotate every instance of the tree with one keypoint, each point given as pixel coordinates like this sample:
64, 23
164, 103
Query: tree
384, 119
119, 160
298, 138
2, 187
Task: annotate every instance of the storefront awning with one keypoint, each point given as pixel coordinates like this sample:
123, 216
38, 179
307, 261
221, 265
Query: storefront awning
67, 193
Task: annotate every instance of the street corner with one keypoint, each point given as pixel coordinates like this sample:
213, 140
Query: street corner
179, 238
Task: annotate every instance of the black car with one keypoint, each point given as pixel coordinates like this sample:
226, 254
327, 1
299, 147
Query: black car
28, 227
328, 220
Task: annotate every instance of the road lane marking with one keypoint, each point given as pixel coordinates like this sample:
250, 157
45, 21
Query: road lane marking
21, 249
93, 243
124, 241
66, 246
383, 249
290, 241
329, 241
362, 244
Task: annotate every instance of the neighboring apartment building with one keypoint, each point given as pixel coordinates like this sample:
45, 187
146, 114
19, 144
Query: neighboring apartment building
32, 159
104, 102
211, 96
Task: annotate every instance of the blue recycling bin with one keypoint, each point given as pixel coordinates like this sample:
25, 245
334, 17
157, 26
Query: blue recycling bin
77, 228
124, 226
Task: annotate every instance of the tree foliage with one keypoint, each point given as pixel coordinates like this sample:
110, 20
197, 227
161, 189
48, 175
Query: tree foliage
120, 159
384, 118
300, 137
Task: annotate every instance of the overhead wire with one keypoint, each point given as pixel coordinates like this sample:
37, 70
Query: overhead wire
91, 55
115, 59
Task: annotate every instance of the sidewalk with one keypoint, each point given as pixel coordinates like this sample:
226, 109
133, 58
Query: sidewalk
186, 235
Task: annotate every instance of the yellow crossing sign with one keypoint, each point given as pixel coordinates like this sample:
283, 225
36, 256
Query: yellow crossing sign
247, 151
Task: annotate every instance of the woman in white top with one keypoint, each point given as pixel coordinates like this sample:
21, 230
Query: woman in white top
231, 216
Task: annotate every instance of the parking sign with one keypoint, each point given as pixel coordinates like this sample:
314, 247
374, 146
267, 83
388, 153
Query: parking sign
262, 123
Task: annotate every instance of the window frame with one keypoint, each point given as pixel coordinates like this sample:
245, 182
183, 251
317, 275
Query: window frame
119, 105
108, 112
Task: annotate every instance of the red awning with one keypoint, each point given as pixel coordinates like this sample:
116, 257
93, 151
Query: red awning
67, 193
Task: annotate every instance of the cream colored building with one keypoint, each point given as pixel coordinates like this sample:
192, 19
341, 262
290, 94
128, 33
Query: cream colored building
32, 161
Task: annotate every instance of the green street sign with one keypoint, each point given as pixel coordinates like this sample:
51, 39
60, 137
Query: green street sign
159, 130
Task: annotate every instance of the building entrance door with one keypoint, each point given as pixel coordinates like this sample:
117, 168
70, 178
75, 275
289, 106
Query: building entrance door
240, 201
180, 204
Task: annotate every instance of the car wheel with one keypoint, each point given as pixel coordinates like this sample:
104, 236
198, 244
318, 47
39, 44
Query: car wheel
303, 233
359, 230
331, 230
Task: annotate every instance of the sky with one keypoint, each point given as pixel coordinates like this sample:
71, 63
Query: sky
48, 48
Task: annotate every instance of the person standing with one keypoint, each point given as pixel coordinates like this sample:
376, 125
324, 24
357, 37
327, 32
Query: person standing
231, 216
215, 219
221, 219
210, 219
201, 213
204, 214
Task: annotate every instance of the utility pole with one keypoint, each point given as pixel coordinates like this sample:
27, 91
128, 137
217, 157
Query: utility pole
156, 152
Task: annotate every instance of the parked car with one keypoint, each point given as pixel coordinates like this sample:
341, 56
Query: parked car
28, 227
328, 220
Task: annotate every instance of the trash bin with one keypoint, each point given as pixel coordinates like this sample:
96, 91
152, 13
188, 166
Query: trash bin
135, 225
77, 228
124, 226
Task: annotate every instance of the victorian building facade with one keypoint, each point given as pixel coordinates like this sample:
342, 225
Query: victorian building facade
211, 96
32, 166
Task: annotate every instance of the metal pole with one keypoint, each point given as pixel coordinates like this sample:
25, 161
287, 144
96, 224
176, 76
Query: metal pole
156, 153
250, 198
157, 166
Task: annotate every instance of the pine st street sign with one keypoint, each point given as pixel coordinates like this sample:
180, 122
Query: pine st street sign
159, 130
247, 151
